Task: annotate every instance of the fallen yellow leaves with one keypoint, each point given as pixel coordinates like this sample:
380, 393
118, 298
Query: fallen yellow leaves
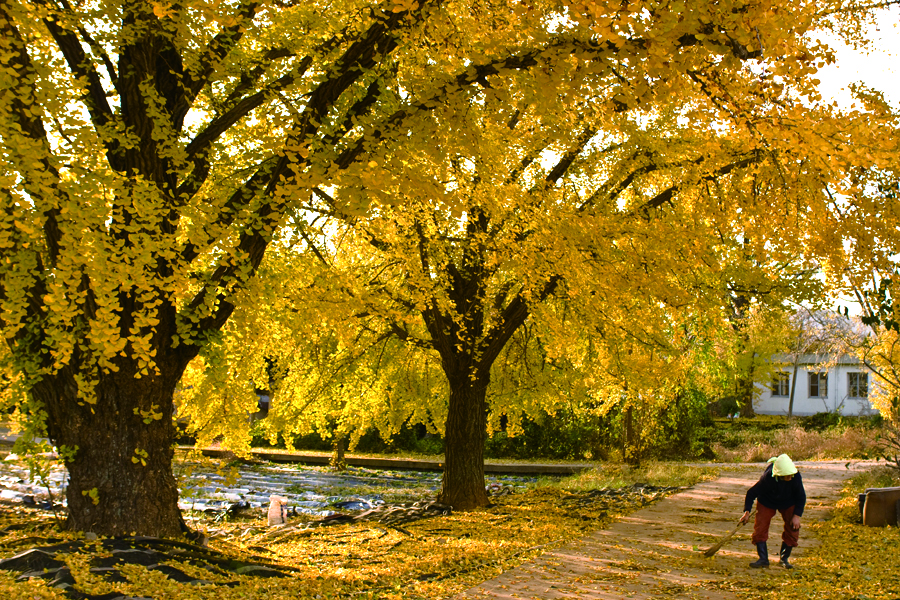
431, 558
444, 555
850, 561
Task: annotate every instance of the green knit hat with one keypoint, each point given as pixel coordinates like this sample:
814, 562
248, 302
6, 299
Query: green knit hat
783, 465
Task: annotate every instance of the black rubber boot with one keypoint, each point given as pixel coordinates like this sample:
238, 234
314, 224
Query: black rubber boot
785, 553
763, 552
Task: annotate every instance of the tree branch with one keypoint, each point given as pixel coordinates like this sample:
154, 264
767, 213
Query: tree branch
95, 47
513, 316
83, 68
197, 148
26, 113
216, 51
665, 197
362, 55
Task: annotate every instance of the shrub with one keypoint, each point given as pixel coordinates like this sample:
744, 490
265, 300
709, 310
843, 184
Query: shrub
889, 440
563, 436
822, 421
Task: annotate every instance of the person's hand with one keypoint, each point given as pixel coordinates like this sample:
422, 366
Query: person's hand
795, 523
745, 517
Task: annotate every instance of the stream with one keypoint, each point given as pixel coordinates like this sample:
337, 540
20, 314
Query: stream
315, 491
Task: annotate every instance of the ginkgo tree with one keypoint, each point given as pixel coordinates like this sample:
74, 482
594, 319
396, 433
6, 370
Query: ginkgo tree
615, 228
872, 210
152, 152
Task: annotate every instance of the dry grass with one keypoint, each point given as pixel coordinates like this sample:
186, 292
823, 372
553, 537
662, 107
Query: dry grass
834, 444
615, 475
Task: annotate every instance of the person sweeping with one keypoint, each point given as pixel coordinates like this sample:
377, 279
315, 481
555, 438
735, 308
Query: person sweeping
780, 489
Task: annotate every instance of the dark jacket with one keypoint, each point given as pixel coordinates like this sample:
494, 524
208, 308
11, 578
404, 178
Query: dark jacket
777, 494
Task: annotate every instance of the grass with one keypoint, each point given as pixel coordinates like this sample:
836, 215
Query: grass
656, 473
760, 438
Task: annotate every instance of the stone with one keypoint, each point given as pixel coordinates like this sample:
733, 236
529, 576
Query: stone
12, 496
227, 496
277, 514
356, 504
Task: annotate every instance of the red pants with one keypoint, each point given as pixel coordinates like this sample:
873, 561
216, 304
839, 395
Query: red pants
764, 516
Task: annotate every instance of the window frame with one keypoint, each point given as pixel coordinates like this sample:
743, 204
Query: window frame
780, 378
821, 384
861, 378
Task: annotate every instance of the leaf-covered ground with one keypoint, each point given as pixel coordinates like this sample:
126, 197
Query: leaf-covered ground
442, 555
851, 562
428, 558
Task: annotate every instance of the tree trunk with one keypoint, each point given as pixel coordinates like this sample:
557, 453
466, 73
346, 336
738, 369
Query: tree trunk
465, 434
745, 389
338, 450
120, 474
793, 388
631, 451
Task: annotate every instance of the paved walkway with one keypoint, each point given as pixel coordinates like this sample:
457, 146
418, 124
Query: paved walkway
657, 550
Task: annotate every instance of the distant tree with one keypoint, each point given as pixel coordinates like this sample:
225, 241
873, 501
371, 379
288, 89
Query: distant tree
880, 350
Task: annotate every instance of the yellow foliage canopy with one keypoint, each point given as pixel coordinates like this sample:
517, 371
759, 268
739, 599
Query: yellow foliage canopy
153, 153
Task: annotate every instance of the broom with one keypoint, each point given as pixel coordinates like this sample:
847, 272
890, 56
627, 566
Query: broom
712, 550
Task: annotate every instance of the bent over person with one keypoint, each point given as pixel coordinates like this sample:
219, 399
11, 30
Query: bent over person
780, 489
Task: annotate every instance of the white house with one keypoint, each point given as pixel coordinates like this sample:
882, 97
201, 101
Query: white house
822, 385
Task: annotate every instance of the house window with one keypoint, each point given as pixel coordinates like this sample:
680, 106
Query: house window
780, 384
858, 385
818, 385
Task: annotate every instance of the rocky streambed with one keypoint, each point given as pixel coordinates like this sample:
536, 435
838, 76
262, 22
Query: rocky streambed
220, 490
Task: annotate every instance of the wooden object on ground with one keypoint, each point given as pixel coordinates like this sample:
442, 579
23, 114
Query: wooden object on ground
880, 508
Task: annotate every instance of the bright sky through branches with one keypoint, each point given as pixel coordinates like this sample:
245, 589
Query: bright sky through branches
877, 66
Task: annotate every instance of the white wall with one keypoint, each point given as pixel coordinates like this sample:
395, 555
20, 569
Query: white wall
836, 400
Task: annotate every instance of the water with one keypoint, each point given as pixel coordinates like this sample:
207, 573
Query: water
314, 491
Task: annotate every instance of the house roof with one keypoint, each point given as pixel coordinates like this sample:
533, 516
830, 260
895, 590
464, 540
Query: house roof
815, 359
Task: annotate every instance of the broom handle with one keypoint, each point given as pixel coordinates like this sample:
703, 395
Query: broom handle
742, 523
715, 548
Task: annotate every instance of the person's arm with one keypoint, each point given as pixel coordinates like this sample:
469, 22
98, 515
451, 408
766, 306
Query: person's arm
799, 501
799, 495
753, 494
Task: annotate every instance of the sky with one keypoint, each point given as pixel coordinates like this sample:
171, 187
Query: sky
878, 66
